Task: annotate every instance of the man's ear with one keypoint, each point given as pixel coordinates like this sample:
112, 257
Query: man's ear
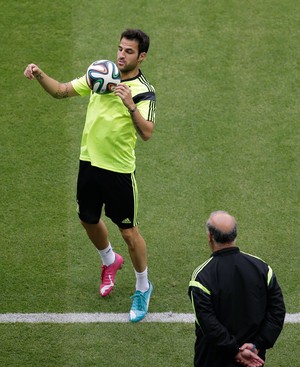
142, 56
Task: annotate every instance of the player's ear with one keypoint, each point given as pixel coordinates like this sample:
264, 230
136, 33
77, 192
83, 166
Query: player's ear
142, 56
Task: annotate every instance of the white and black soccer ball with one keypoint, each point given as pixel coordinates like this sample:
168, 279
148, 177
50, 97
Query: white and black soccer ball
102, 76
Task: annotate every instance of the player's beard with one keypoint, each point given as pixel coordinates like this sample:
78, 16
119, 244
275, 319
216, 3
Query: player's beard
127, 68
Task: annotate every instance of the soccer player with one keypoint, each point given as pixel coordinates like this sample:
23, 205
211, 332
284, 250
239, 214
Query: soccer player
106, 177
238, 304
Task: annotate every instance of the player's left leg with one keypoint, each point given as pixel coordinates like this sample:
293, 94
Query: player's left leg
138, 254
136, 247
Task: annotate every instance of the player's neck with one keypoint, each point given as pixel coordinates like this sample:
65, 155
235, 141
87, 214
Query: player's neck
130, 75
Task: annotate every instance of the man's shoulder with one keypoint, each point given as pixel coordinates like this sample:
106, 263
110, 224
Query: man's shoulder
140, 84
80, 86
202, 268
253, 258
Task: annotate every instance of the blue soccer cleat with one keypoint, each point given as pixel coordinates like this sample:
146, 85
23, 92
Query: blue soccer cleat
140, 304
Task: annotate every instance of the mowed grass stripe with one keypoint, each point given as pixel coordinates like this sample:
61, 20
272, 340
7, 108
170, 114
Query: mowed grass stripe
164, 317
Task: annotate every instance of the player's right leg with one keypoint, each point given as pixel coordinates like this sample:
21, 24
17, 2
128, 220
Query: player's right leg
111, 261
90, 202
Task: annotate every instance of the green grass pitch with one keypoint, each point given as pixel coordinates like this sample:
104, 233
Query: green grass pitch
227, 137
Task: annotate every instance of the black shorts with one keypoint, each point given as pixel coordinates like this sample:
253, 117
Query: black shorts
116, 192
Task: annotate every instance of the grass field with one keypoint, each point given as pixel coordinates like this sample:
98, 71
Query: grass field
227, 137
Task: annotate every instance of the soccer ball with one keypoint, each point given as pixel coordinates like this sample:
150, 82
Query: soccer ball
102, 76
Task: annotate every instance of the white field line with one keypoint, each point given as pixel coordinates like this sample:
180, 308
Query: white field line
164, 317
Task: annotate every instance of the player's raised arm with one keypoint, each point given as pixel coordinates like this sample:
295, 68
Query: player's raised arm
143, 127
53, 87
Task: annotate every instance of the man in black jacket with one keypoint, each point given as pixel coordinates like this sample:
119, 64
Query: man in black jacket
238, 304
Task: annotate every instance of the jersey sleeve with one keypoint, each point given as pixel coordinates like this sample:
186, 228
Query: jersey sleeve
216, 333
275, 314
147, 110
146, 102
81, 87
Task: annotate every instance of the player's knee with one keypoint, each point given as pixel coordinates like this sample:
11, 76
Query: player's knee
129, 235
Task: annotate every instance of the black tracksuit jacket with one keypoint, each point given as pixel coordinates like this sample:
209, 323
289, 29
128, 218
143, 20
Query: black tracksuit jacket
236, 299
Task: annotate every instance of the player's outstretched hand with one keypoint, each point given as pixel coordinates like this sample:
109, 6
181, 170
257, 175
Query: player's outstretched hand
31, 71
249, 359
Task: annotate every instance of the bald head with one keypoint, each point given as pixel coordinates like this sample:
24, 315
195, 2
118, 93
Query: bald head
222, 227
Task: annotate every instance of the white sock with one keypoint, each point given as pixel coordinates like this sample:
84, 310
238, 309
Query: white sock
107, 255
142, 283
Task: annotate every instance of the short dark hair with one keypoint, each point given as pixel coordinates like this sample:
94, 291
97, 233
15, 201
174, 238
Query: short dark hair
139, 36
220, 236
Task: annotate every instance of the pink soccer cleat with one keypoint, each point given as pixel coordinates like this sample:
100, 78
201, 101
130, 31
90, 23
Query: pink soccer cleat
108, 276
